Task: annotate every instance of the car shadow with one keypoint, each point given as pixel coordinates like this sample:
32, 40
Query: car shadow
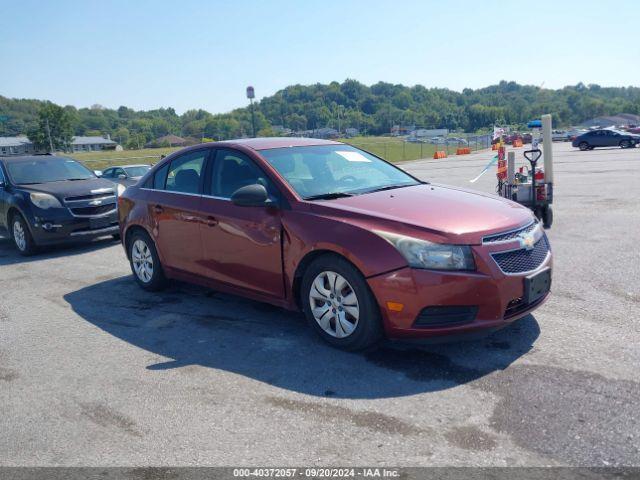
10, 256
192, 326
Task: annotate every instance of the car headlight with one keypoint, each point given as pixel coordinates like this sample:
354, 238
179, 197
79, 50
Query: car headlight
44, 201
120, 189
429, 255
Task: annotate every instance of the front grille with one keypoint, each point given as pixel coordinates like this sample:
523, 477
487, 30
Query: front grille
518, 305
520, 261
91, 211
511, 235
445, 316
102, 195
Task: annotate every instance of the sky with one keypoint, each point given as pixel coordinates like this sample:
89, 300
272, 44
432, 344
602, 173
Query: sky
202, 54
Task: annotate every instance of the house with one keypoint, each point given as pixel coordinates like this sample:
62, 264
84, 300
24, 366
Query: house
351, 132
92, 144
168, 141
16, 146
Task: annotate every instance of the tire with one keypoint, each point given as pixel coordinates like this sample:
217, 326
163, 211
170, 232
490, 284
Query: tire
547, 217
335, 309
21, 236
625, 144
145, 263
584, 146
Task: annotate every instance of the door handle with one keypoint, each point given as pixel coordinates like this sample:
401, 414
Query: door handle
211, 221
158, 209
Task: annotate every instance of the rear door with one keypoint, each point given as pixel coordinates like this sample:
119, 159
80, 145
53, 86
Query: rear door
241, 245
173, 205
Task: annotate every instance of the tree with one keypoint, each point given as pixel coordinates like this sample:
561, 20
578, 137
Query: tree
53, 130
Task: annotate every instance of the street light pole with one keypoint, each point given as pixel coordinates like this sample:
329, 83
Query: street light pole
251, 95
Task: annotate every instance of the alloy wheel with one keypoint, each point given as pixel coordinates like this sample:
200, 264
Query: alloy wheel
142, 260
19, 235
334, 304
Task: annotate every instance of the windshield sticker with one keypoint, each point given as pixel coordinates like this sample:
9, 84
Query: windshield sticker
353, 156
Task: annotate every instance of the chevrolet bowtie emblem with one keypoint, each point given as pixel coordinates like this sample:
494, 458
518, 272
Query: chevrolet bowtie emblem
95, 203
526, 241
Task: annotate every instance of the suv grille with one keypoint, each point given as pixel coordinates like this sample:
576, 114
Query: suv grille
519, 261
506, 236
89, 211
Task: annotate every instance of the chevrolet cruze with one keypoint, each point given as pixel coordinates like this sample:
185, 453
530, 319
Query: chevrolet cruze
364, 249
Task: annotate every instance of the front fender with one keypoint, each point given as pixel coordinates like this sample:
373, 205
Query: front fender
306, 233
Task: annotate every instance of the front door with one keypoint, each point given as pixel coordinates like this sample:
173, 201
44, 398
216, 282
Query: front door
241, 245
173, 204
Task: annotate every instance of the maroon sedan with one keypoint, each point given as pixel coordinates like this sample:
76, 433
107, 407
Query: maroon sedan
363, 248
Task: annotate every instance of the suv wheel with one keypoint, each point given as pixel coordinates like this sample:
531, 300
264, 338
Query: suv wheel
22, 236
145, 263
339, 305
583, 146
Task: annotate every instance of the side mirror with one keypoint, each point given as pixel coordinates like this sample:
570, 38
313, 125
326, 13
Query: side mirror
252, 196
98, 173
122, 176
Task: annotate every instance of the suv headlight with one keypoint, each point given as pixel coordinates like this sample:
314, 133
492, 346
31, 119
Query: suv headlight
44, 201
429, 255
120, 189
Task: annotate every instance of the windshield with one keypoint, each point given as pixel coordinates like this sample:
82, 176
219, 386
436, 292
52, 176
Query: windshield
137, 171
44, 170
334, 170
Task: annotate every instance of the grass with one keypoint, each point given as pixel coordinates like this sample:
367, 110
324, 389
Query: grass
392, 149
104, 159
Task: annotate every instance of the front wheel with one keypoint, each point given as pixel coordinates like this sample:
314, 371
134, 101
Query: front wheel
339, 305
21, 235
625, 144
145, 263
583, 146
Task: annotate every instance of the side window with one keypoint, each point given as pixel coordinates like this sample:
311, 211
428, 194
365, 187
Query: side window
118, 171
233, 170
160, 177
108, 173
185, 172
1, 175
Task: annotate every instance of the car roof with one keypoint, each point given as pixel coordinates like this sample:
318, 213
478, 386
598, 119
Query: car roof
265, 143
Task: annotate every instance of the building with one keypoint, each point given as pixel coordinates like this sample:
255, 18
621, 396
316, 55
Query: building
16, 146
621, 119
92, 144
168, 141
24, 146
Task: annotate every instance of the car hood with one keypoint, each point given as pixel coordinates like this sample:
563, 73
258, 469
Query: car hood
74, 188
449, 213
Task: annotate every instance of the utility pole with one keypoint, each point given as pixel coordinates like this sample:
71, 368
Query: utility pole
251, 95
49, 135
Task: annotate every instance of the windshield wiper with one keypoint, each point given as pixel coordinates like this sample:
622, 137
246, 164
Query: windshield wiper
390, 187
329, 196
75, 179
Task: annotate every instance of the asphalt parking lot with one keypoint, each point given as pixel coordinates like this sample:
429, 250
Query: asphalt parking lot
94, 371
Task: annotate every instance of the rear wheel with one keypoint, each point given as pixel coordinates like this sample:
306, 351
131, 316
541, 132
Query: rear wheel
145, 263
583, 146
339, 305
21, 235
